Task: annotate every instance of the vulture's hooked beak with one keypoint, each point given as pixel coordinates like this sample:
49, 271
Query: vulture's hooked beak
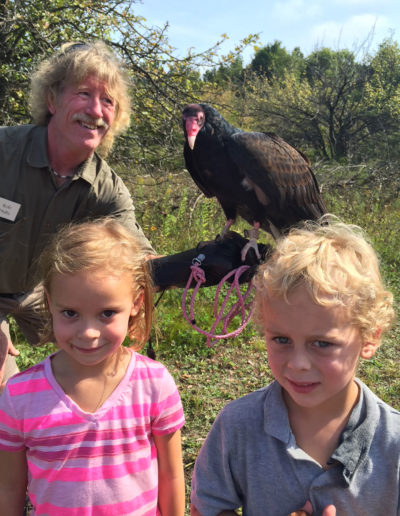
192, 128
191, 140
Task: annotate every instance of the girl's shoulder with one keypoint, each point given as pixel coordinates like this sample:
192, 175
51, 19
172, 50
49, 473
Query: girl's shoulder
142, 361
146, 368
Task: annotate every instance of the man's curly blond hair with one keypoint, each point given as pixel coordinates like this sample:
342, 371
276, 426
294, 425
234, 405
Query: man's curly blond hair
72, 64
338, 267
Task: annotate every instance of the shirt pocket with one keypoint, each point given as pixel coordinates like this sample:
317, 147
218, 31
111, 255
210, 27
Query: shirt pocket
9, 230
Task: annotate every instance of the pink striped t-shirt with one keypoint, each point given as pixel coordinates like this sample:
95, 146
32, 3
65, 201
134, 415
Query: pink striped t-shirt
83, 464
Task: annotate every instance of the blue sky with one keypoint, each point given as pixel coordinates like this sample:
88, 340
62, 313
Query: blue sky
308, 24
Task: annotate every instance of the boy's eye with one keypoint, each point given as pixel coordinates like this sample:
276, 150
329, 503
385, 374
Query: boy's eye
281, 340
69, 314
322, 344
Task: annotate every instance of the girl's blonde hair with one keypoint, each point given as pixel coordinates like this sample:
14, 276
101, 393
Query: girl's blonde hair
338, 267
104, 245
73, 63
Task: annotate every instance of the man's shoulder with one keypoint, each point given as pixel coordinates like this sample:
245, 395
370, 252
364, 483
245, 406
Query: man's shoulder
9, 133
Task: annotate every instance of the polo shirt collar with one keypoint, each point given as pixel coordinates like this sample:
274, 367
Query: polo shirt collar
37, 155
355, 440
277, 426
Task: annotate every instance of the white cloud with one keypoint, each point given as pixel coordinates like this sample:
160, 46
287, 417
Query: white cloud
289, 10
351, 33
362, 3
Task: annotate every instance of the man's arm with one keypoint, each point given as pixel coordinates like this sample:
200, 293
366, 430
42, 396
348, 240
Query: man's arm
13, 482
6, 347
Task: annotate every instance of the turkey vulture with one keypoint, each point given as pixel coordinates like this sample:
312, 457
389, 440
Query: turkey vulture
256, 175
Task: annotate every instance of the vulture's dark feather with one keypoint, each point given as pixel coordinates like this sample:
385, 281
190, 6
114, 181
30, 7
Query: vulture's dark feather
256, 175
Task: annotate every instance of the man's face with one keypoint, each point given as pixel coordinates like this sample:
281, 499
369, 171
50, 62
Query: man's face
81, 116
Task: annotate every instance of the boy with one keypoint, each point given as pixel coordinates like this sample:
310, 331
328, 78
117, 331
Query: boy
316, 438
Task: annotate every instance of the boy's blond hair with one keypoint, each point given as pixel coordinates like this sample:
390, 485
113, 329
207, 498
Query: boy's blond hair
73, 63
338, 267
101, 245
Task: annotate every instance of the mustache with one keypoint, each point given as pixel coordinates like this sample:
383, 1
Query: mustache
98, 122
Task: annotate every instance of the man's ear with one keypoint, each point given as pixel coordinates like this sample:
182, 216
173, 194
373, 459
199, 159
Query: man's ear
51, 103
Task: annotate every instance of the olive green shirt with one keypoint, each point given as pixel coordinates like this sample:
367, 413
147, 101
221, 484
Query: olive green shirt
41, 208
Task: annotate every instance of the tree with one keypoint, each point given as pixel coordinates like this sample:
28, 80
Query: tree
227, 73
382, 99
161, 82
322, 109
273, 61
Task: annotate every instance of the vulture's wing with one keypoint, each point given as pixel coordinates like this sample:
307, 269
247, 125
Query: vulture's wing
195, 171
274, 167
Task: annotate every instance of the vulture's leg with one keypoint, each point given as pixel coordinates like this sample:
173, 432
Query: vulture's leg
252, 234
225, 229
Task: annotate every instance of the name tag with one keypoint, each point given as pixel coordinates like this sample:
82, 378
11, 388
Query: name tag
8, 209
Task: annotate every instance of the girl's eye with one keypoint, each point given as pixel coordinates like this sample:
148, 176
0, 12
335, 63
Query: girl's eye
281, 340
107, 314
69, 314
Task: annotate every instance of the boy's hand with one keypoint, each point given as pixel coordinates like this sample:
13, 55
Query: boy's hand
306, 510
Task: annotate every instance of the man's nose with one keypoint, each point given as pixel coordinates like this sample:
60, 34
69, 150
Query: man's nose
95, 107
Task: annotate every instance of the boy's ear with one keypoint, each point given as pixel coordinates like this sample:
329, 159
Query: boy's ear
369, 347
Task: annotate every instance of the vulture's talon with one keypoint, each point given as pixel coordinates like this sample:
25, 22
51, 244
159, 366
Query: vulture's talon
251, 244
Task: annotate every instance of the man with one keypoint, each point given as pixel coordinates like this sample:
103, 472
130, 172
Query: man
52, 173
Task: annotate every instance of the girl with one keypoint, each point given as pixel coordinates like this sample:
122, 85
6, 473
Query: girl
94, 429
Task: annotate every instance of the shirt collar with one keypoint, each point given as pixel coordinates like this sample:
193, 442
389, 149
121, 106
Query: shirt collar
355, 440
37, 156
277, 426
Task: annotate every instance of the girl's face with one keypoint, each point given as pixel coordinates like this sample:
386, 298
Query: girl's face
313, 351
90, 312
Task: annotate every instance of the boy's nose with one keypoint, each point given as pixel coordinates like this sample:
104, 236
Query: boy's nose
299, 360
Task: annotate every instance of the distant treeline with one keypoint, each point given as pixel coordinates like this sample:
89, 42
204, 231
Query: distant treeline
337, 105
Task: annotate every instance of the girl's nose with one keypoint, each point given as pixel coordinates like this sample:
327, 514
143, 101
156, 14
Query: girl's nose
89, 330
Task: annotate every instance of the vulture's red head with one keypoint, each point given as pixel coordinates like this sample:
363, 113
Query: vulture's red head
193, 118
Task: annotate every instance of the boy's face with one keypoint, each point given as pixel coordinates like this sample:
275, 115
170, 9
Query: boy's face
313, 351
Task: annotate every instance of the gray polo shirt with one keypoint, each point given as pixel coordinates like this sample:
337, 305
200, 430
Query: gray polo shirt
41, 208
250, 459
